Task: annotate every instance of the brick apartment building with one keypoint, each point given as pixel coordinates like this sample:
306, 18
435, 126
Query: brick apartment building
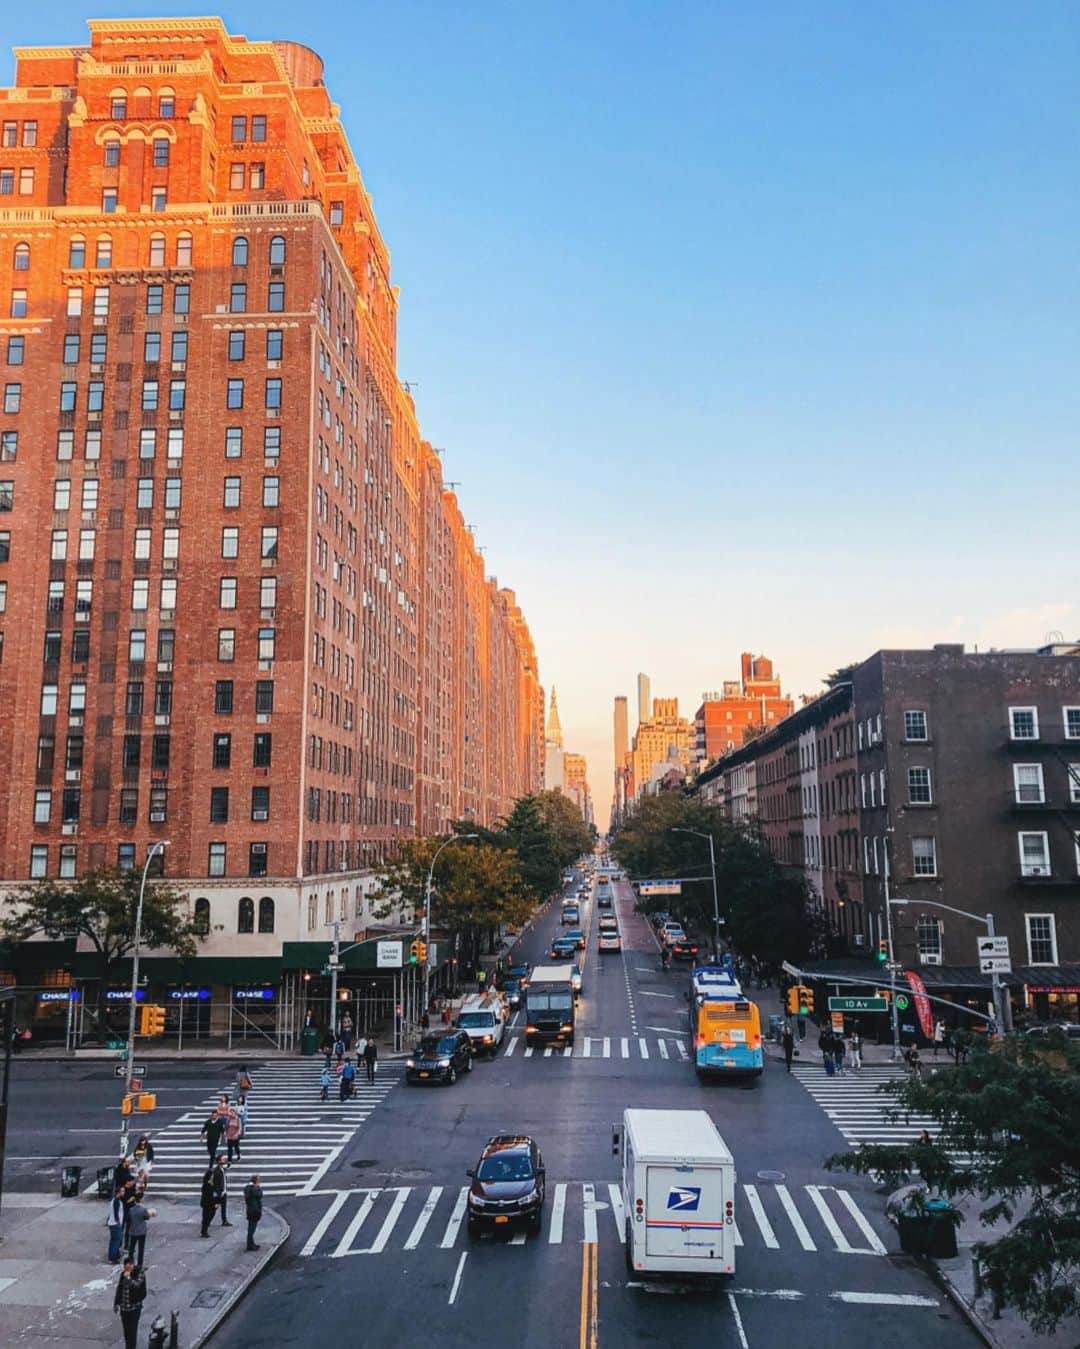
239, 608
951, 777
753, 701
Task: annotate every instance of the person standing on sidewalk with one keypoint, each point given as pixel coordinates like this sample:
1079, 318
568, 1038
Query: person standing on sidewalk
371, 1058
207, 1200
252, 1209
939, 1035
128, 1302
855, 1048
138, 1222
221, 1188
788, 1041
115, 1223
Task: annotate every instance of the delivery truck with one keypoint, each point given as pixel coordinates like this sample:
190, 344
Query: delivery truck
549, 1006
678, 1193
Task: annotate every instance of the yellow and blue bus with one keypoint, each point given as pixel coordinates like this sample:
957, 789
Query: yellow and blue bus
727, 1037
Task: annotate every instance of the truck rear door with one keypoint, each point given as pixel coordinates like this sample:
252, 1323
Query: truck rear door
684, 1213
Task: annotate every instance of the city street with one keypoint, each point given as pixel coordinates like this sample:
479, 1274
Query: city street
374, 1191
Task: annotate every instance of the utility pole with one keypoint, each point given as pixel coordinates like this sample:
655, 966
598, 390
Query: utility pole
335, 958
453, 838
893, 1013
159, 846
1002, 1008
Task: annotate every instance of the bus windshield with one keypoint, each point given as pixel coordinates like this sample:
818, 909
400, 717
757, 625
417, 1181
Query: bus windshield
560, 1001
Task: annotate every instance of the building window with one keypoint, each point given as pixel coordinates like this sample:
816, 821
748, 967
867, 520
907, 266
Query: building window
1034, 853
223, 697
5, 553
42, 806
1028, 783
133, 706
924, 856
237, 176
155, 299
177, 394
257, 859
261, 752
68, 395
227, 593
264, 696
266, 643
173, 488
226, 644
275, 297
125, 856
268, 592
167, 594
118, 107
230, 541
68, 856
111, 157
1073, 771
273, 393
258, 128
159, 752
103, 251
222, 751
159, 198
277, 250
170, 542
236, 345
271, 486
87, 539
12, 397
16, 350
1024, 723
137, 645
9, 446
18, 304
201, 917
266, 908
39, 861
181, 298
245, 915
273, 344
157, 250
239, 251
928, 939
219, 805
231, 498
337, 212
140, 593
183, 250
269, 545
132, 750
234, 394
260, 803
257, 176
58, 548
237, 298
919, 791
271, 441
234, 442
215, 862
161, 153
20, 260
1041, 938
77, 251
142, 545
239, 130
1071, 716
108, 201
166, 645
179, 346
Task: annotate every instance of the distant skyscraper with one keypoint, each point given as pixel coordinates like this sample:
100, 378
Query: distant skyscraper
554, 766
644, 698
622, 730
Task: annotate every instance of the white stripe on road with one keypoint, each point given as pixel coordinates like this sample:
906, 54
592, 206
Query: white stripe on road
344, 1246
518, 1239
450, 1235
663, 1049
624, 1045
618, 1212
644, 1044
419, 1227
861, 1222
568, 1052
743, 1341
585, 1047
760, 1217
510, 1047
324, 1222
887, 1299
389, 1222
795, 1218
682, 1049
648, 993
588, 1196
839, 1240
558, 1212
548, 1052
528, 1051
457, 1278
607, 1047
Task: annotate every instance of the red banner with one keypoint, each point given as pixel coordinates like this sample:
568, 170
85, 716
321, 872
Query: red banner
922, 1003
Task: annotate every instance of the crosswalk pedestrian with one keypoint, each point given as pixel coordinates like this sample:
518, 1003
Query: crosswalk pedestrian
602, 1047
857, 1106
292, 1136
369, 1221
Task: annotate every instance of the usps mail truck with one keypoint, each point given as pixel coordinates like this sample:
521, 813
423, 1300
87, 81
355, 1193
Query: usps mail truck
678, 1192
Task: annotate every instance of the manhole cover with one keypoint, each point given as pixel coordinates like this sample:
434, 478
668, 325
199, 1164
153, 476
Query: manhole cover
775, 1176
365, 1162
208, 1297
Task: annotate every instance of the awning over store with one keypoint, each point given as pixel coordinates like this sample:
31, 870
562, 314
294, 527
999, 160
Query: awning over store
1049, 978
360, 959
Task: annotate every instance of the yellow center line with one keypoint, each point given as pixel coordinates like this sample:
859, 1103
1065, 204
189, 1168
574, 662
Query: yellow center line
589, 1296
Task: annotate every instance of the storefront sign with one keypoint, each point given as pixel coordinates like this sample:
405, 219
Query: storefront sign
188, 994
124, 995
389, 955
59, 995
253, 994
1053, 988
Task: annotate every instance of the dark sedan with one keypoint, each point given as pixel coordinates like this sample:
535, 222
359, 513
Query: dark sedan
440, 1058
563, 948
507, 1186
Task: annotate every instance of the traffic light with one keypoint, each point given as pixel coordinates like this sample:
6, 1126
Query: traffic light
421, 952
806, 1000
793, 1000
414, 952
151, 1020
882, 951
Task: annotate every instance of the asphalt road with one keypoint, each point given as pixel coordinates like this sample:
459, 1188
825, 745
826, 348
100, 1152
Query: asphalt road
378, 1248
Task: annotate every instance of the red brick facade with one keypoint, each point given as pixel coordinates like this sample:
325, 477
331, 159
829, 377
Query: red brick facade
238, 608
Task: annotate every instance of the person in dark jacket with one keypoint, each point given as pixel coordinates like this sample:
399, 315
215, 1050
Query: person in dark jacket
128, 1302
138, 1223
221, 1188
213, 1129
371, 1058
252, 1209
788, 1041
207, 1201
115, 1223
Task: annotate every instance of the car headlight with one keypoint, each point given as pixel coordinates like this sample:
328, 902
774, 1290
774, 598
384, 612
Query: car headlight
444, 1063
487, 1039
475, 1201
409, 1063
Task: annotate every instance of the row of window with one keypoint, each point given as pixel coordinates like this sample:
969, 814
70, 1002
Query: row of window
1033, 847
118, 104
1029, 787
216, 866
24, 177
10, 138
1024, 723
1040, 929
245, 915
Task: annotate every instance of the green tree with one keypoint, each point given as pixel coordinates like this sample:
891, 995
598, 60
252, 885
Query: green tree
571, 835
539, 831
1013, 1112
101, 906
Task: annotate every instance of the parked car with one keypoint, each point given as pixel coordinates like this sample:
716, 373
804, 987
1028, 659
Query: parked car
563, 948
609, 941
507, 1185
1069, 1029
439, 1058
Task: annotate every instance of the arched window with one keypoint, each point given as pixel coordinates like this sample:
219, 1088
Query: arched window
103, 251
77, 251
245, 919
201, 917
239, 251
183, 250
142, 101
266, 914
157, 250
21, 261
329, 906
277, 250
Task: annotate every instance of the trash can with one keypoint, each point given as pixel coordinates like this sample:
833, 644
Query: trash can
912, 1229
309, 1041
776, 1027
941, 1229
70, 1177
105, 1182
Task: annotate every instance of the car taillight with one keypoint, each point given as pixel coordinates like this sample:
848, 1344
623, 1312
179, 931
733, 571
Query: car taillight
757, 1041
640, 1207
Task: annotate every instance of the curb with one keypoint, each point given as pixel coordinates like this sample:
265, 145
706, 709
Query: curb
967, 1310
229, 1304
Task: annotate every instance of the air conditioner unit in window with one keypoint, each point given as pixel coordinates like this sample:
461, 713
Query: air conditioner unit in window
161, 720
69, 829
260, 814
73, 775
930, 957
157, 817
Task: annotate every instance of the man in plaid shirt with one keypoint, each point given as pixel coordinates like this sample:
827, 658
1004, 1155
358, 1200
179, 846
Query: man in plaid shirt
130, 1295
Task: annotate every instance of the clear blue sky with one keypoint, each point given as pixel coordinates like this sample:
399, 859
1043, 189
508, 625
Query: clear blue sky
743, 325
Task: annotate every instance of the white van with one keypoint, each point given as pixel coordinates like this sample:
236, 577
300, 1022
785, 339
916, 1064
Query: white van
678, 1193
483, 1019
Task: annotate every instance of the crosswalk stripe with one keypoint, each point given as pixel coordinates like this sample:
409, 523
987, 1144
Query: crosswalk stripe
510, 1047
832, 1226
548, 1052
864, 1227
323, 1225
663, 1049
528, 1051
518, 1239
389, 1222
644, 1046
760, 1217
607, 1047
795, 1218
624, 1045
588, 1197
450, 1235
682, 1049
558, 1212
344, 1246
568, 1051
420, 1226
585, 1047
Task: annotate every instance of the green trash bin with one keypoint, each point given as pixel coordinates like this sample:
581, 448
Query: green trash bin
941, 1229
309, 1041
913, 1229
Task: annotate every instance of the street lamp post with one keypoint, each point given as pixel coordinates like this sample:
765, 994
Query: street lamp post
893, 1012
159, 846
453, 838
712, 869
1001, 1005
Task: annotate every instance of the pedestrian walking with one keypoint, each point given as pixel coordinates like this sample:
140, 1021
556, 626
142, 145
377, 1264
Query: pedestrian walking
914, 1062
138, 1223
123, 1172
252, 1209
233, 1131
788, 1041
207, 1200
361, 1044
347, 1031
824, 1043
242, 1111
128, 1301
339, 1049
324, 1084
221, 1188
144, 1161
114, 1221
425, 1020
243, 1081
939, 1035
213, 1130
838, 1048
348, 1076
328, 1050
481, 980
371, 1059
855, 1049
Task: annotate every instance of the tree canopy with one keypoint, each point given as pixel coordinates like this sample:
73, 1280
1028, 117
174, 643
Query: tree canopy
545, 831
1012, 1112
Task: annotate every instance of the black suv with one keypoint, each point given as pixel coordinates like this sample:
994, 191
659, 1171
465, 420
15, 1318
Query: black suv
439, 1058
507, 1186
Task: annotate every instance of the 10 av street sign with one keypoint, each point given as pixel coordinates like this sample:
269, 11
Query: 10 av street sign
858, 1004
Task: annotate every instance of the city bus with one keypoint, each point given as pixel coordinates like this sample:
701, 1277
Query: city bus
727, 1037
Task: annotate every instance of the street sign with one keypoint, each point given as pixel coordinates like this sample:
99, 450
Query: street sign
995, 965
660, 888
120, 1070
389, 955
858, 1005
993, 946
788, 968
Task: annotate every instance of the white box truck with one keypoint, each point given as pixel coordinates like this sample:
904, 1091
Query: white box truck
678, 1192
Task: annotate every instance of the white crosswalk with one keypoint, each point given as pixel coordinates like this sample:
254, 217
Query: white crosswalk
858, 1109
292, 1137
812, 1218
602, 1047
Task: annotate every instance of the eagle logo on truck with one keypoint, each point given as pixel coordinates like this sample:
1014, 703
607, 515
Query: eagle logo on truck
684, 1200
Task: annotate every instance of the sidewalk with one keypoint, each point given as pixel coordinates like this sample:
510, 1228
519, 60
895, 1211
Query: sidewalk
56, 1286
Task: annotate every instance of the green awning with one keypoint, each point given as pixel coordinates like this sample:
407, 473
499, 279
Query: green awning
313, 955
